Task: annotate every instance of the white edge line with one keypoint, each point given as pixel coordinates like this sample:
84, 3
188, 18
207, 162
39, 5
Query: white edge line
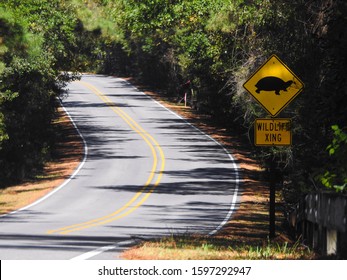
67, 180
235, 165
100, 250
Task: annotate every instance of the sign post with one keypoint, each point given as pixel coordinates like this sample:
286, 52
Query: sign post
275, 175
273, 86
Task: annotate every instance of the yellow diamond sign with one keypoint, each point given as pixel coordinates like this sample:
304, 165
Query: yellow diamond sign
274, 85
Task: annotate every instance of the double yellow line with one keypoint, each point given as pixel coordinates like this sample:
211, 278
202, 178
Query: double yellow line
142, 195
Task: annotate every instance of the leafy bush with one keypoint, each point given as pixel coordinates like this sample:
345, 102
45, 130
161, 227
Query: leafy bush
336, 176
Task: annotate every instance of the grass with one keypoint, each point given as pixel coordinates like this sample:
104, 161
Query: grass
48, 176
214, 248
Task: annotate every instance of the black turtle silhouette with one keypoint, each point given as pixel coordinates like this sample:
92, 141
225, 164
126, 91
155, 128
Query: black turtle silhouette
271, 83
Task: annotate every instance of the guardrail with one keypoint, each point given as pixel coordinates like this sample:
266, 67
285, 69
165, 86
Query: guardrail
321, 220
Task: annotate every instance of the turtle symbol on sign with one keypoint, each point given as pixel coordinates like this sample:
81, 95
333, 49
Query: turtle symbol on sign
272, 83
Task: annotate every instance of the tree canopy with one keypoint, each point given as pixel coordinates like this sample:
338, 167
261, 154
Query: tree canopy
215, 44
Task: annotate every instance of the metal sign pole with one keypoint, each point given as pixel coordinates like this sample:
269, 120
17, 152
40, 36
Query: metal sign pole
272, 210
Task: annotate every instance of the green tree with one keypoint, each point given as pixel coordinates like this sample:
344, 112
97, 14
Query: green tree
30, 83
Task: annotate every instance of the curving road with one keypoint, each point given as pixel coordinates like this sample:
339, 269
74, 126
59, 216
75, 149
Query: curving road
146, 173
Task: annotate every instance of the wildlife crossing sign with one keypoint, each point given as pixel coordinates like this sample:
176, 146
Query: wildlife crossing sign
272, 132
274, 85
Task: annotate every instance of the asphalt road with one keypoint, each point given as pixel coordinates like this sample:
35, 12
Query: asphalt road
146, 173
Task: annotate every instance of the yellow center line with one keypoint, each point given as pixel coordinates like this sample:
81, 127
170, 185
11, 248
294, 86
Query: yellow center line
130, 206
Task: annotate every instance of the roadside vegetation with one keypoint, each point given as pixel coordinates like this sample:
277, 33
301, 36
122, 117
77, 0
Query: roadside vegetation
216, 45
208, 248
35, 44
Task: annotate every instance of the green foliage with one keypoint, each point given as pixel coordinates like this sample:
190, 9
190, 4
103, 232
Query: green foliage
340, 138
33, 40
336, 176
54, 21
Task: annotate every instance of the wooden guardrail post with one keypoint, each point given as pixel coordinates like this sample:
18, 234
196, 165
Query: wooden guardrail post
323, 219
